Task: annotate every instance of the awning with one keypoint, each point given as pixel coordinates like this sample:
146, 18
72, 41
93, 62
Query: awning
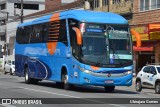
146, 46
142, 48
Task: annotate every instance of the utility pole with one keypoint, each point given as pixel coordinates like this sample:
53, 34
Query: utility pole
5, 39
21, 11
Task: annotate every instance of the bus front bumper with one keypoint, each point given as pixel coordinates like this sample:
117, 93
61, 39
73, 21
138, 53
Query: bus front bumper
88, 79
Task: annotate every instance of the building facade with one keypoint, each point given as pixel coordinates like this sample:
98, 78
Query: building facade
9, 11
146, 22
49, 4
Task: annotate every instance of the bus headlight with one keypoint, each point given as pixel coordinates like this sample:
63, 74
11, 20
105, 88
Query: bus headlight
85, 70
128, 72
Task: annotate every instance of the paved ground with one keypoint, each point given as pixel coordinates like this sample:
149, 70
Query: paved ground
14, 87
1, 70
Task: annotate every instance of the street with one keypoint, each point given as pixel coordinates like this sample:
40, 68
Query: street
14, 87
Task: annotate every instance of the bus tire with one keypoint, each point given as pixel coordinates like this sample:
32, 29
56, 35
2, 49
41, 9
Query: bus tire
28, 80
66, 85
109, 88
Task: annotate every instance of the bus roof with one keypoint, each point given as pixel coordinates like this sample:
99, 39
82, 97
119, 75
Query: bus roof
83, 16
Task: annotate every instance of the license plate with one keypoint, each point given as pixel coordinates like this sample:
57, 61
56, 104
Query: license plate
109, 81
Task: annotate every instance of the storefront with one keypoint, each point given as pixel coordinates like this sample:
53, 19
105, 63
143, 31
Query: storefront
145, 52
154, 34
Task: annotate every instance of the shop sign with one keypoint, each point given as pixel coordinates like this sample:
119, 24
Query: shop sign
154, 35
143, 31
153, 26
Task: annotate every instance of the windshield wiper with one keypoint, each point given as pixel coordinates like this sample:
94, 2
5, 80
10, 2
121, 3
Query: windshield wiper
88, 61
100, 59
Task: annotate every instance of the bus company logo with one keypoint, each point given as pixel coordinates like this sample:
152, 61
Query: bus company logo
6, 101
109, 75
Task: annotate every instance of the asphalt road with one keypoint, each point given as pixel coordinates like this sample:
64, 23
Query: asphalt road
14, 87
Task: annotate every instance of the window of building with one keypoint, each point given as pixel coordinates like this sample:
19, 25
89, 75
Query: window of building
96, 3
27, 6
2, 37
158, 3
149, 5
3, 22
105, 2
116, 1
3, 6
153, 4
146, 4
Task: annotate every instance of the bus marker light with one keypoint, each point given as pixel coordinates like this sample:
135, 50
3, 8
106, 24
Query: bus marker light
87, 80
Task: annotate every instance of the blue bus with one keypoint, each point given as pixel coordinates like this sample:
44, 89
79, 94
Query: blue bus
75, 47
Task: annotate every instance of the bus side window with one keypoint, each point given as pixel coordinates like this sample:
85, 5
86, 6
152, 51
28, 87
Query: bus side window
26, 34
74, 45
44, 32
63, 32
19, 35
36, 35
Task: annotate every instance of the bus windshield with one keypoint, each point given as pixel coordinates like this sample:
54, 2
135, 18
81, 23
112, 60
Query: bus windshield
106, 45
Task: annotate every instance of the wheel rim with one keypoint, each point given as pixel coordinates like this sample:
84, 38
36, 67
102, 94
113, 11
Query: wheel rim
138, 86
65, 79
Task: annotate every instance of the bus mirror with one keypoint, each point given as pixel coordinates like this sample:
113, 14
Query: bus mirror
79, 36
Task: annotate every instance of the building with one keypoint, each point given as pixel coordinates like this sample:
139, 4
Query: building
49, 4
146, 22
9, 11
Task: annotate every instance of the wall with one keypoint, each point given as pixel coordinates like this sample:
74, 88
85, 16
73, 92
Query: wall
52, 4
157, 53
151, 16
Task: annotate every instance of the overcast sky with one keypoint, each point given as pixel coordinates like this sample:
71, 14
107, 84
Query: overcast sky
67, 1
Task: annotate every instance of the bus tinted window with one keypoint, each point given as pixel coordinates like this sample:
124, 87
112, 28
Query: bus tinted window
32, 34
58, 32
63, 32
26, 33
39, 33
19, 35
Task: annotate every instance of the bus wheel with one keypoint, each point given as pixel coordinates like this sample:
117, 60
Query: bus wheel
67, 86
27, 78
109, 88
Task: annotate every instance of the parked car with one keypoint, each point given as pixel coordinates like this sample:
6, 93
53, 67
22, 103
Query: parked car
149, 77
9, 67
